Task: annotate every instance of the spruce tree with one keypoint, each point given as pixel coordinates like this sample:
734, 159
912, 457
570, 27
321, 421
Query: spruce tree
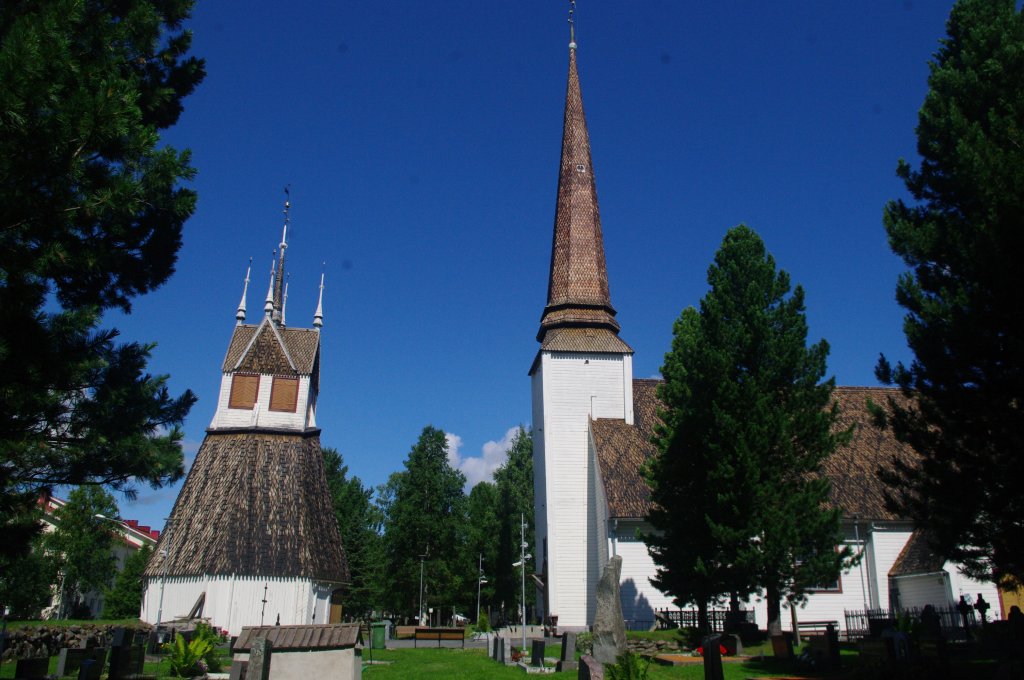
124, 599
746, 424
426, 516
963, 238
91, 215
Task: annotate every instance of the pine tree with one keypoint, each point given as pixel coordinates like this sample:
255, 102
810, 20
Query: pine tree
747, 422
426, 517
963, 239
91, 215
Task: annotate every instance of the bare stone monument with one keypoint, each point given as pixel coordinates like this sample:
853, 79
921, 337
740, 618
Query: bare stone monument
567, 662
609, 628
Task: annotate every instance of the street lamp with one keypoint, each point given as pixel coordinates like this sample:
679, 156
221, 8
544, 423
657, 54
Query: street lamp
523, 556
422, 557
479, 581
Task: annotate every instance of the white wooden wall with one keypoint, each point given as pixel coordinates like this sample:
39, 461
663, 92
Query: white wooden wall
639, 598
236, 601
261, 415
570, 388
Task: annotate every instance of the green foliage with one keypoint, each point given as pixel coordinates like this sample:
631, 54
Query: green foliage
212, 657
187, 659
746, 425
91, 215
425, 515
360, 524
81, 543
627, 666
26, 580
514, 482
482, 533
124, 599
963, 241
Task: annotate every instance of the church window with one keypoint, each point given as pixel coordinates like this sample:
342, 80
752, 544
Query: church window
244, 389
284, 394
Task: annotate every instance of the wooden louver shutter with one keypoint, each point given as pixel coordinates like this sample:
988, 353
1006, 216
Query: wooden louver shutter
284, 394
244, 389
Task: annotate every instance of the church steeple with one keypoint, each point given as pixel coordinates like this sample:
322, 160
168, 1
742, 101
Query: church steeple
578, 294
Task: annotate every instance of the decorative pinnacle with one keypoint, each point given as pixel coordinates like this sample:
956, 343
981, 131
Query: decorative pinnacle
318, 315
240, 314
572, 25
283, 246
284, 299
268, 306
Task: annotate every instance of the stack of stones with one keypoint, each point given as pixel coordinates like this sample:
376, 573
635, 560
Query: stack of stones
654, 647
23, 643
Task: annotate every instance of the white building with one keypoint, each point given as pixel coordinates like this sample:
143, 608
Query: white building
592, 431
252, 538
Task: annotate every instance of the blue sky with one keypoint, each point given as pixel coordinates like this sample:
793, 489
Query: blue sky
421, 141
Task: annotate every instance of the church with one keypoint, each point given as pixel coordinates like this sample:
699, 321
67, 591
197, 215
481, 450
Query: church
592, 428
252, 538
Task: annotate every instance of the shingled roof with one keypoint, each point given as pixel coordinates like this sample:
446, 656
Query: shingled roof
578, 285
254, 503
856, 487
268, 348
300, 638
917, 557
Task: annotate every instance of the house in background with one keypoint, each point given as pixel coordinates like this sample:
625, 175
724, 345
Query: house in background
132, 537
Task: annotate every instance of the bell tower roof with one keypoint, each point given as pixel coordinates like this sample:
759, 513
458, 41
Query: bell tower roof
578, 294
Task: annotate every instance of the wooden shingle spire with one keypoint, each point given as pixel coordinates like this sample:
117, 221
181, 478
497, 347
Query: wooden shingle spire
578, 296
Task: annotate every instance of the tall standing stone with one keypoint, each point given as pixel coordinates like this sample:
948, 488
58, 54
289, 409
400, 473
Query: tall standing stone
609, 627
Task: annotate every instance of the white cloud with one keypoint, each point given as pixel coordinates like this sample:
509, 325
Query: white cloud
480, 468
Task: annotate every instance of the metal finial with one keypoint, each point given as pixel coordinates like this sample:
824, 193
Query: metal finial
240, 314
268, 306
572, 25
284, 299
318, 315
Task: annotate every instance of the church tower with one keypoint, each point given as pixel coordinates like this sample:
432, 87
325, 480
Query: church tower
252, 538
582, 371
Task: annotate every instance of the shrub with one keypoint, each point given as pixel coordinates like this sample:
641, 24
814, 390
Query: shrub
188, 659
628, 666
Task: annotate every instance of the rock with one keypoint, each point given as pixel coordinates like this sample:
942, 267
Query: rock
609, 628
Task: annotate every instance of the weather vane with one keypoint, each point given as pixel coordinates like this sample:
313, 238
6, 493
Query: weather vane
572, 25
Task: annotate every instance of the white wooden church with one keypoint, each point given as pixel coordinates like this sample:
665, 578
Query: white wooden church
252, 538
592, 426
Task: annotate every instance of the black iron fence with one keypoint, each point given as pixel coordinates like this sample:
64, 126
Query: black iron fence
687, 618
870, 622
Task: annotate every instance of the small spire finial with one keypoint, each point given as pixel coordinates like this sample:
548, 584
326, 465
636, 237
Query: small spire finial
268, 306
318, 315
572, 24
240, 314
283, 246
284, 300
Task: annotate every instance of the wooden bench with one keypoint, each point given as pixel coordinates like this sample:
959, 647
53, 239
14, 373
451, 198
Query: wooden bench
439, 634
404, 632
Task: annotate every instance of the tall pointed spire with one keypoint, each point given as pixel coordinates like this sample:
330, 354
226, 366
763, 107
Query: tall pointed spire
240, 314
283, 246
318, 315
578, 286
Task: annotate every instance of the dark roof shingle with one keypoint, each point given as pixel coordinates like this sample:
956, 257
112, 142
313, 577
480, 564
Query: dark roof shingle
295, 638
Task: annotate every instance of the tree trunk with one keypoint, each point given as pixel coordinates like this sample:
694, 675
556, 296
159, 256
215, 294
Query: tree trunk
703, 624
774, 601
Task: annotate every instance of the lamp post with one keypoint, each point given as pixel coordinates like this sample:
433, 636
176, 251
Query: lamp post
422, 557
523, 556
479, 581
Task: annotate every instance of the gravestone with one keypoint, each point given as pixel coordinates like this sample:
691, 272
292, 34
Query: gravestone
128, 661
567, 662
537, 653
36, 667
259, 660
93, 664
609, 627
590, 669
506, 650
119, 640
69, 659
238, 670
713, 658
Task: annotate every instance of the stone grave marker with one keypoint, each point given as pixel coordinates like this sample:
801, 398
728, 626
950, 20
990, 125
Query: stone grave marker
69, 659
609, 627
567, 662
36, 667
537, 653
259, 659
128, 662
713, 658
93, 664
238, 670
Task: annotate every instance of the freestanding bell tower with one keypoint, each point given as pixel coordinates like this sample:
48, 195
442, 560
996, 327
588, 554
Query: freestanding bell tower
252, 538
583, 371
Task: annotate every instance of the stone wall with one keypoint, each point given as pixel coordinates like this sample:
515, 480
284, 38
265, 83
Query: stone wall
33, 641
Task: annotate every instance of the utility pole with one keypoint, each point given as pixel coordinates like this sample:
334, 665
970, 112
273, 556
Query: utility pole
420, 621
479, 581
523, 556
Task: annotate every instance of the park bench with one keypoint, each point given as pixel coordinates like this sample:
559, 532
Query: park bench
439, 634
404, 632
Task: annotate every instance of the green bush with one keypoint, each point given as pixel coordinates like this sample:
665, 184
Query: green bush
212, 658
187, 659
628, 666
